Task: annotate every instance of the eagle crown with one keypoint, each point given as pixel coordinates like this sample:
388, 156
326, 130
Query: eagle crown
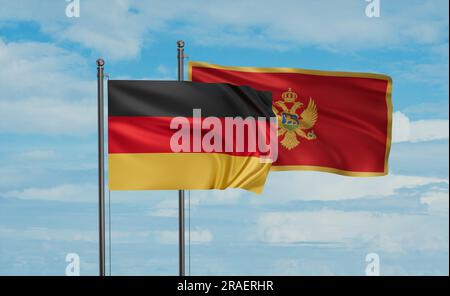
289, 96
293, 126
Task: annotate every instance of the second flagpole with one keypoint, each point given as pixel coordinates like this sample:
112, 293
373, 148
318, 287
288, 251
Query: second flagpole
180, 45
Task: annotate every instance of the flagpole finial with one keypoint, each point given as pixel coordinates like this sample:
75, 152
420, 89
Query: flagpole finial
180, 43
100, 62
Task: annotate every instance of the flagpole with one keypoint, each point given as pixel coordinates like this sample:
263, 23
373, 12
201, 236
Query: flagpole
101, 168
180, 44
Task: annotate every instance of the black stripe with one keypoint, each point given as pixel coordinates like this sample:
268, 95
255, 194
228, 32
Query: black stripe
174, 98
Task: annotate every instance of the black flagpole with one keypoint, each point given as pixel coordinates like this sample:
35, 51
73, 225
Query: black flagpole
101, 168
180, 44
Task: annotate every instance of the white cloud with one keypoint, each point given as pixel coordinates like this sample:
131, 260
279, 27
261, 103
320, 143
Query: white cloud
38, 154
43, 70
405, 130
118, 29
401, 127
430, 73
12, 176
65, 192
108, 27
428, 130
303, 265
73, 235
437, 109
383, 232
169, 207
46, 234
42, 92
286, 186
198, 236
229, 196
164, 71
165, 212
292, 23
437, 201
48, 116
283, 187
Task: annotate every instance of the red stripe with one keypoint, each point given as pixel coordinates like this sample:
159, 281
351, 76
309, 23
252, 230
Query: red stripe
151, 134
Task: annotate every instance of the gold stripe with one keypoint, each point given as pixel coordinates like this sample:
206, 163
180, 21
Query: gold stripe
320, 73
286, 70
389, 126
325, 169
174, 171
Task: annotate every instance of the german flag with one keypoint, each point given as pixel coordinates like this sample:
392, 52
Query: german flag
167, 135
338, 122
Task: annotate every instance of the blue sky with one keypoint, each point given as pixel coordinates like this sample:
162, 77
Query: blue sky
304, 222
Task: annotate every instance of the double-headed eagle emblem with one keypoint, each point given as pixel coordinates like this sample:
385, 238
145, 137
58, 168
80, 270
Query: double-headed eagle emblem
290, 124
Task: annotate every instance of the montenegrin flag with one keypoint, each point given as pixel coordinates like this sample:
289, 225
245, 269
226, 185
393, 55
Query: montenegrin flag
338, 122
166, 135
